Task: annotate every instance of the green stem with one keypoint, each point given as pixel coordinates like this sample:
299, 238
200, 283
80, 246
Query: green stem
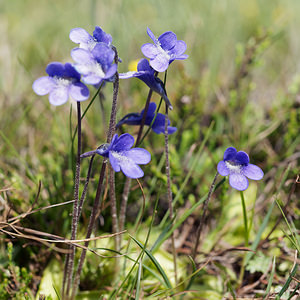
245, 220
246, 233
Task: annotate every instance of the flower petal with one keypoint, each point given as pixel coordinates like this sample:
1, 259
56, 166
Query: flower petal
70, 71
130, 74
171, 129
59, 96
55, 69
123, 143
160, 120
80, 35
92, 79
138, 155
114, 162
160, 63
229, 153
81, 56
103, 54
43, 85
130, 169
222, 168
111, 71
151, 109
150, 50
182, 57
253, 172
238, 181
150, 113
178, 49
143, 65
102, 36
151, 35
79, 91
113, 140
161, 129
167, 40
242, 158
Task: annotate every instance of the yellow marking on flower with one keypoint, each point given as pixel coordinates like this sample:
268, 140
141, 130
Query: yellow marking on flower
133, 65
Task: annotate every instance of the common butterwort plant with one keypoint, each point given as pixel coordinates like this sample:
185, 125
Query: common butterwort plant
165, 50
95, 61
236, 166
122, 156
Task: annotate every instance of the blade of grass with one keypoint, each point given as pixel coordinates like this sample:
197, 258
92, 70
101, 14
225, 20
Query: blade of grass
133, 260
193, 277
231, 290
270, 281
294, 292
56, 292
138, 283
155, 262
293, 239
287, 284
289, 238
170, 291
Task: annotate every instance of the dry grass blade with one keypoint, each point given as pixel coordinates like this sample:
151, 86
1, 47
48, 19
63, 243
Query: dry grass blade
55, 239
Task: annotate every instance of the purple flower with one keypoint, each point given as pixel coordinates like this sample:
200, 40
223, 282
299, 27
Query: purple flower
146, 74
165, 50
158, 125
95, 65
86, 41
123, 158
236, 165
63, 81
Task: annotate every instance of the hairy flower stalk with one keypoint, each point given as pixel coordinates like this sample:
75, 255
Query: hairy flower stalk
97, 201
113, 207
170, 198
112, 129
70, 259
90, 228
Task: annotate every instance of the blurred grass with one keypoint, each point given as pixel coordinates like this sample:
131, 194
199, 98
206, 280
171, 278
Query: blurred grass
257, 111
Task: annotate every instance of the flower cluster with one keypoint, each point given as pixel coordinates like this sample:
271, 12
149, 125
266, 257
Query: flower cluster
94, 61
158, 125
122, 156
236, 166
